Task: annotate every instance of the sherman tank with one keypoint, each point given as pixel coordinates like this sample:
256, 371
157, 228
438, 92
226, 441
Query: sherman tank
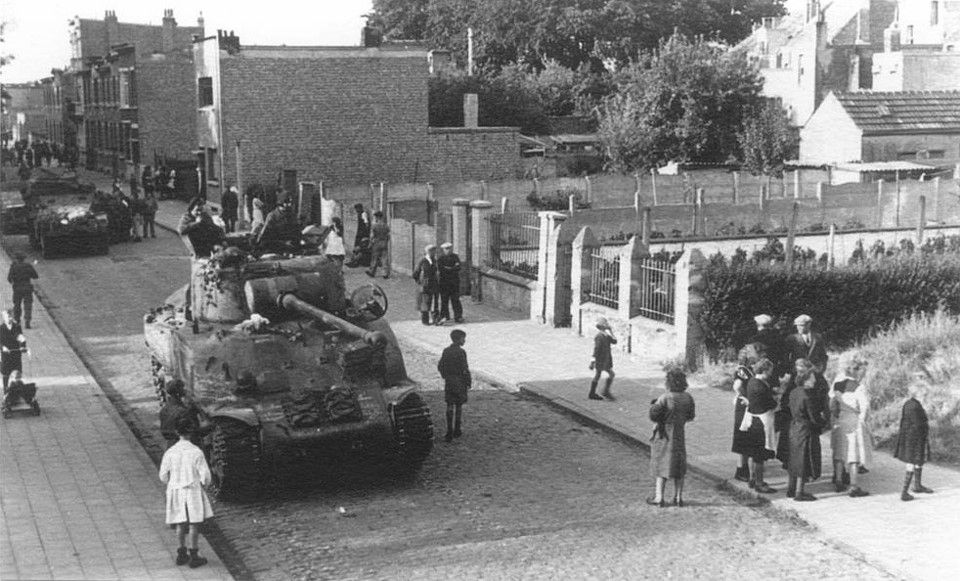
287, 369
60, 218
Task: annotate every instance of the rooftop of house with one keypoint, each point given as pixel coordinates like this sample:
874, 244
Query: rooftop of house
145, 37
903, 111
333, 52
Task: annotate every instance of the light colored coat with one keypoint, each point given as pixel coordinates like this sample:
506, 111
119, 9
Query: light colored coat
185, 472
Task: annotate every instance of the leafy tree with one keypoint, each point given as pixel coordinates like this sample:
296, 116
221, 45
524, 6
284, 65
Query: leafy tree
682, 102
570, 32
767, 140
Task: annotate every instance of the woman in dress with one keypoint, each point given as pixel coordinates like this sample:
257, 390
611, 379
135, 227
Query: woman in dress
333, 245
806, 422
668, 451
761, 404
742, 445
849, 438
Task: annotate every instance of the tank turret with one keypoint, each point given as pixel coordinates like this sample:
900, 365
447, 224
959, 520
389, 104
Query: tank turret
286, 365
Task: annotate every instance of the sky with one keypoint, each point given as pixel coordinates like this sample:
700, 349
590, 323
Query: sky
37, 32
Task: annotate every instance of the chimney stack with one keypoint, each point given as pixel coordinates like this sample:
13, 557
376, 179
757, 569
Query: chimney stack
168, 32
228, 41
891, 38
113, 28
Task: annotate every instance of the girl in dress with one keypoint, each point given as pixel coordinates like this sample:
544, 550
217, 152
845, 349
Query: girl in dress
850, 439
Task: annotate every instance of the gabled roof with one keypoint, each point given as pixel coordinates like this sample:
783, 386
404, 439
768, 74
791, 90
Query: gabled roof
903, 111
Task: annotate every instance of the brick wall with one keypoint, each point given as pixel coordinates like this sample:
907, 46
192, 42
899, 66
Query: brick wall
463, 153
167, 109
341, 120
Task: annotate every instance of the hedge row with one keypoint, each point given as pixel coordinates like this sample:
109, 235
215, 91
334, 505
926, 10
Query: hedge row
847, 303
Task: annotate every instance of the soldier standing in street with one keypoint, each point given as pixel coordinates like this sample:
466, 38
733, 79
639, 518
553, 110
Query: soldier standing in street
602, 359
449, 265
379, 246
20, 277
456, 381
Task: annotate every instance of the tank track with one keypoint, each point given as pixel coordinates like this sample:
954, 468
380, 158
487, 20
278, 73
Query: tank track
413, 429
235, 460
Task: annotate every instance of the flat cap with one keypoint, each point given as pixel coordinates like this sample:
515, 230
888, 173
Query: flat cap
446, 245
429, 247
763, 320
802, 319
312, 230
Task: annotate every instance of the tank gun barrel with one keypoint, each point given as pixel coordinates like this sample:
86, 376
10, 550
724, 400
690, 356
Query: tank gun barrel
269, 294
291, 302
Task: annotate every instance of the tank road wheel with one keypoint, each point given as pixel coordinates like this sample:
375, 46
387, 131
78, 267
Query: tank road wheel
235, 460
413, 430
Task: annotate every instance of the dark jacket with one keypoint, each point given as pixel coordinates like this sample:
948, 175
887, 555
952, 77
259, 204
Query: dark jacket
203, 233
759, 396
449, 265
280, 225
229, 203
602, 357
453, 366
775, 349
427, 276
20, 276
816, 351
913, 441
379, 236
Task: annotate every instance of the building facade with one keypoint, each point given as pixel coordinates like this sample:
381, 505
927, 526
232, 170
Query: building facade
920, 48
345, 115
830, 47
127, 98
871, 126
23, 115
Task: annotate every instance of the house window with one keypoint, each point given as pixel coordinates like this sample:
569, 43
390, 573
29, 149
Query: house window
936, 154
934, 13
910, 34
906, 155
213, 175
205, 94
799, 68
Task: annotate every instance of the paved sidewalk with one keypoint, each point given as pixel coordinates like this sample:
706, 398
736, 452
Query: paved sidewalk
913, 540
80, 498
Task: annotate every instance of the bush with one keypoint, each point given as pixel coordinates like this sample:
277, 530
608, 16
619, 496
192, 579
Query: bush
559, 201
847, 303
920, 343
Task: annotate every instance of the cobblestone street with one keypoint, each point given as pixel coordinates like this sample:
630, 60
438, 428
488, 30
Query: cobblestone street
526, 493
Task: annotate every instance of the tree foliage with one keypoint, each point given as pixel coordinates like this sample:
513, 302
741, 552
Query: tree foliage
569, 32
768, 140
683, 102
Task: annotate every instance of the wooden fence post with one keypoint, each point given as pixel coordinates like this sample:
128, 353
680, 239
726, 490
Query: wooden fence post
831, 240
736, 187
796, 184
880, 203
504, 204
647, 225
791, 234
653, 185
936, 199
589, 189
923, 221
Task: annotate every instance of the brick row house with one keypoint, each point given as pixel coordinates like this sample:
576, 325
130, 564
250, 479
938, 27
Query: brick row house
127, 98
342, 114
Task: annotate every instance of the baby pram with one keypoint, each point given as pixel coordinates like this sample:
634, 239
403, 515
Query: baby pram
20, 397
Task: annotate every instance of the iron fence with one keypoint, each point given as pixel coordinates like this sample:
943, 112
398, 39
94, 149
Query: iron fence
515, 243
653, 295
604, 280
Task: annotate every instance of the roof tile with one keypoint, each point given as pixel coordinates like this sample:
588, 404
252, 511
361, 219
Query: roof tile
903, 111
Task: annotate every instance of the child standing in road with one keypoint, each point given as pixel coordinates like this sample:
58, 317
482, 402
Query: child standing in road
185, 472
456, 377
913, 443
602, 359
